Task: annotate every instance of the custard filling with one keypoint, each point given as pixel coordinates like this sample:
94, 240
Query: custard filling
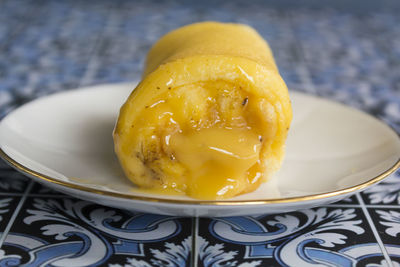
203, 140
217, 159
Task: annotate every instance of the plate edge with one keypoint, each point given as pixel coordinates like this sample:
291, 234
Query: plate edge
31, 173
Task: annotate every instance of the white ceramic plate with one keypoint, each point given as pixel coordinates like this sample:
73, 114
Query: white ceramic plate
64, 141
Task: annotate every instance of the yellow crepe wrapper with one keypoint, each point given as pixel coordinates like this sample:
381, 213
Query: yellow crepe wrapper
209, 118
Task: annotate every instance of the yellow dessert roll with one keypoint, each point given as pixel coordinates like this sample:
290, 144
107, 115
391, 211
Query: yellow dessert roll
209, 118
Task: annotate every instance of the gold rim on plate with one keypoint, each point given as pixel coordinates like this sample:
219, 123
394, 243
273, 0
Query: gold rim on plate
29, 172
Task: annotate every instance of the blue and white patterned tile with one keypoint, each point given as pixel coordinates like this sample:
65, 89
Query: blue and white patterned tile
39, 189
107, 43
7, 207
11, 181
385, 193
70, 232
387, 222
14, 183
353, 59
352, 200
121, 52
327, 236
44, 57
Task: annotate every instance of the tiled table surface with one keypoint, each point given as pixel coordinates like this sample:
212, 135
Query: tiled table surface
345, 55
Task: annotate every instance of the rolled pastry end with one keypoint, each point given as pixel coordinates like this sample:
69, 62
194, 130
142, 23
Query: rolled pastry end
210, 126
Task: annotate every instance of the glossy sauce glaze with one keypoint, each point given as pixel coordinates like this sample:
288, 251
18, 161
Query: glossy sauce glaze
217, 159
213, 155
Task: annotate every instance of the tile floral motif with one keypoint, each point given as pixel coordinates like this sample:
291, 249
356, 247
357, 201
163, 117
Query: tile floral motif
68, 232
352, 200
387, 192
387, 222
304, 238
5, 214
217, 255
7, 206
12, 181
171, 255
